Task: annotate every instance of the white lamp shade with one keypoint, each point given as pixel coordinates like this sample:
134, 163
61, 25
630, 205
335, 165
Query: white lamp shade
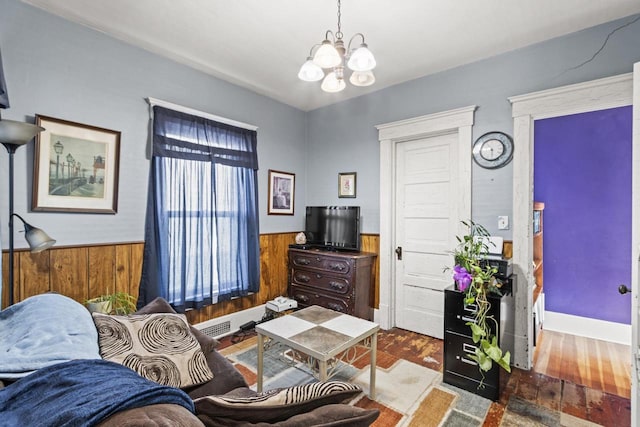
38, 240
332, 83
362, 59
310, 72
327, 56
18, 133
362, 78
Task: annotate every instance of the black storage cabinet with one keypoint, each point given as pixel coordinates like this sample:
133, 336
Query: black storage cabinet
460, 370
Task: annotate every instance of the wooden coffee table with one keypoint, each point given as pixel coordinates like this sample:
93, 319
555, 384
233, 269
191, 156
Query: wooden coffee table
324, 336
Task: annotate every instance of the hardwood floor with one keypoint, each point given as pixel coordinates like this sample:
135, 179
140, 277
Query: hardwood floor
579, 379
593, 363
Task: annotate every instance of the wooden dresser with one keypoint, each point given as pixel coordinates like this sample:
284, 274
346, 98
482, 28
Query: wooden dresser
341, 281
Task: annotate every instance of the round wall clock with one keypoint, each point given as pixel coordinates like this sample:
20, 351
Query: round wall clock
493, 150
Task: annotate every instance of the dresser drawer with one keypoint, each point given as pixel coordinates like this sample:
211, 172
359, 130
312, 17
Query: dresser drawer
322, 262
342, 281
320, 280
306, 297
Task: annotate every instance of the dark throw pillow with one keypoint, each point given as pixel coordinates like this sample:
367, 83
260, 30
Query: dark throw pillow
278, 404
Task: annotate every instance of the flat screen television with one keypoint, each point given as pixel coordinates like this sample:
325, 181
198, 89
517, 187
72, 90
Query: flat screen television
333, 227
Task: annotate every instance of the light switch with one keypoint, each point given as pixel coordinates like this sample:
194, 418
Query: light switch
503, 222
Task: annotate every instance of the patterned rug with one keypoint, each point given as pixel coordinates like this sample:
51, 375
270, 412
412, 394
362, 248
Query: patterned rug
407, 394
528, 398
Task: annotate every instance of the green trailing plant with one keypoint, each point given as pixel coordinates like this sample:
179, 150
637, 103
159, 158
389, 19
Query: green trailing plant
477, 281
115, 303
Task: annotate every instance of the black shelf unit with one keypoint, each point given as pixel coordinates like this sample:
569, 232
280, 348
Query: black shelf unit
459, 369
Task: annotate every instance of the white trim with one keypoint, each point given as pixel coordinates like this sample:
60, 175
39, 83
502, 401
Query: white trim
608, 92
153, 101
635, 254
595, 95
460, 121
587, 327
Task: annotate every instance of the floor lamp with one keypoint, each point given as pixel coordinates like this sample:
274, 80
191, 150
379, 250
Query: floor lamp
13, 135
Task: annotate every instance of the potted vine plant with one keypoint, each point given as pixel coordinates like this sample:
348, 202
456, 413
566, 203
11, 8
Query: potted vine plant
114, 303
478, 281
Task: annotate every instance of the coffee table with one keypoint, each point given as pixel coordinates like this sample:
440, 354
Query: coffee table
324, 336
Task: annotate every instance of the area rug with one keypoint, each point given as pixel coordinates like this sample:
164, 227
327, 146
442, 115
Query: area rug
407, 394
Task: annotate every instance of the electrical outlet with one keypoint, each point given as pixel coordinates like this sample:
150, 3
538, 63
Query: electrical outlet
503, 222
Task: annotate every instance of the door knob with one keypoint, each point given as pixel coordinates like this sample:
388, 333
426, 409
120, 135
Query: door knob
399, 253
623, 289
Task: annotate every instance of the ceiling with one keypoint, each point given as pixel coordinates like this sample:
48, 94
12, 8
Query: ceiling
261, 44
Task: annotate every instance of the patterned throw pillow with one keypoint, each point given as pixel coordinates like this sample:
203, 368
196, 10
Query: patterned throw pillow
159, 347
277, 405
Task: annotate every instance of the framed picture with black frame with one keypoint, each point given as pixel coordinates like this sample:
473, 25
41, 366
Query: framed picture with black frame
281, 199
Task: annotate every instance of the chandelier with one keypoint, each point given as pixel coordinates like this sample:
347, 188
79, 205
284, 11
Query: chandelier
331, 55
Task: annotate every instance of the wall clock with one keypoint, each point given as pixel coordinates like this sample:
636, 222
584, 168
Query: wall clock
493, 150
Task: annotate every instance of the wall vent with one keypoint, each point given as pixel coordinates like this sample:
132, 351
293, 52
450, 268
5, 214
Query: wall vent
218, 329
230, 323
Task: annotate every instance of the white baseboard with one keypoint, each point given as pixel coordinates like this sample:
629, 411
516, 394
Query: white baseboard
586, 327
235, 319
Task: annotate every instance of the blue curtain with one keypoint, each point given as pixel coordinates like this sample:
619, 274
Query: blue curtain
201, 233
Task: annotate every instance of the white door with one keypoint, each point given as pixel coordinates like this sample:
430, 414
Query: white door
427, 181
635, 289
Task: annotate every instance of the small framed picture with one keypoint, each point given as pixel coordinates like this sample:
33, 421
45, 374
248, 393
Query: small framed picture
347, 184
75, 167
281, 193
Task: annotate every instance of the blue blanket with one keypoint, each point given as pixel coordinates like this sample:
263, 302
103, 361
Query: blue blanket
44, 330
81, 393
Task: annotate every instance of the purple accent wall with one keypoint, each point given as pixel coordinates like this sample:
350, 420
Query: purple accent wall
582, 172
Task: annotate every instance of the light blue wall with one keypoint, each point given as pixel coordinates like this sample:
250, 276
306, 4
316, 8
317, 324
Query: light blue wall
60, 69
64, 70
342, 137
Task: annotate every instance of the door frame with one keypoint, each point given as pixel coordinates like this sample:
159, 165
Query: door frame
458, 121
600, 94
635, 254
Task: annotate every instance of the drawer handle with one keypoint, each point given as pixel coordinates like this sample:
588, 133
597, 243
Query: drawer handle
337, 267
303, 278
468, 348
303, 261
471, 308
302, 298
336, 307
336, 285
467, 361
466, 318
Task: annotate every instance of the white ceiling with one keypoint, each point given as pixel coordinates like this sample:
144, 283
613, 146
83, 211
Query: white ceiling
260, 44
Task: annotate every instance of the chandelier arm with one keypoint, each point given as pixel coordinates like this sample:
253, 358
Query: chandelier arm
315, 46
333, 36
351, 41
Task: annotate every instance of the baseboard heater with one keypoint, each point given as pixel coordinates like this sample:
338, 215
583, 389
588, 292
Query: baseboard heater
230, 323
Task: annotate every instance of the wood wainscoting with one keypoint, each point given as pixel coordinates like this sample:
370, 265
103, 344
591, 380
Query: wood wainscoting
83, 272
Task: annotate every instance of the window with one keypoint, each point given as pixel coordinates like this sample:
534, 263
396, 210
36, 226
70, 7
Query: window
201, 235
